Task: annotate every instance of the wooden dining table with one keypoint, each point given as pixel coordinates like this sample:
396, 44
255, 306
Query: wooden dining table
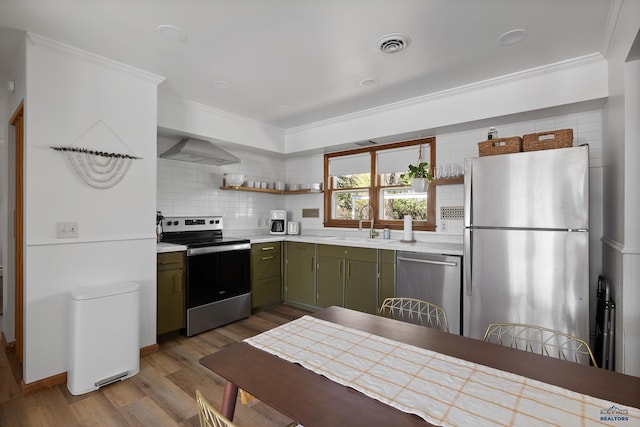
314, 400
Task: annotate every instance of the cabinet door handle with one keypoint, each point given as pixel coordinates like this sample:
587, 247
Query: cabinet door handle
265, 258
268, 248
312, 261
339, 268
348, 269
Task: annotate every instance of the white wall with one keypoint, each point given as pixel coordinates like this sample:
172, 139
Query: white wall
621, 157
9, 105
76, 99
629, 294
301, 170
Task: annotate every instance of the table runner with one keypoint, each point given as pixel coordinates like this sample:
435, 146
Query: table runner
441, 389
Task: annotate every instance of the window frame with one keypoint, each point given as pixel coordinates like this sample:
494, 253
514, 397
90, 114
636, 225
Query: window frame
375, 188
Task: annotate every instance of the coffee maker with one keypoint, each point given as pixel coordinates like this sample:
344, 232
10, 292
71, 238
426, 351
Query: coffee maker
278, 222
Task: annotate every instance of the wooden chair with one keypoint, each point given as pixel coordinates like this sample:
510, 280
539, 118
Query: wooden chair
536, 339
209, 416
416, 311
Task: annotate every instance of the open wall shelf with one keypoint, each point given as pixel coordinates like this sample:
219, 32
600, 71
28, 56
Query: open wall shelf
268, 190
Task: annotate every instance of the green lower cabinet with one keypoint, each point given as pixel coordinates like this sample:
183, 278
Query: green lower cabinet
170, 314
347, 277
266, 277
300, 273
361, 286
330, 282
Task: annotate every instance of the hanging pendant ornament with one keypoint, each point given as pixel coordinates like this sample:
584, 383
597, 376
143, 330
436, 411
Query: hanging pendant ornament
98, 169
419, 185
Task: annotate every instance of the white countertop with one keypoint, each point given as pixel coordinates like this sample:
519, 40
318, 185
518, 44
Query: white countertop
163, 247
422, 246
431, 247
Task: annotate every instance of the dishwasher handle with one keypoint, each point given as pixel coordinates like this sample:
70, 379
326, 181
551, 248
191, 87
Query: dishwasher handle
429, 261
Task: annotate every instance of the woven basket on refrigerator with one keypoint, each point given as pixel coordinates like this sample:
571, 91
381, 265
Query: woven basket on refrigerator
547, 140
500, 146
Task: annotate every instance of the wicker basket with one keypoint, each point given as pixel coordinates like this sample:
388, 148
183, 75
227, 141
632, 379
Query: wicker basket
500, 146
547, 140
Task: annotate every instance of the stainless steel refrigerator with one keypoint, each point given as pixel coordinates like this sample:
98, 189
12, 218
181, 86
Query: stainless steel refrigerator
526, 241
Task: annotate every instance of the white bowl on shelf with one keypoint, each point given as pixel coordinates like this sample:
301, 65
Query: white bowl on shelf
234, 179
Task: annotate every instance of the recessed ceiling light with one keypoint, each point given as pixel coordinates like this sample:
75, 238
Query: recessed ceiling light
393, 43
512, 37
172, 33
221, 85
368, 82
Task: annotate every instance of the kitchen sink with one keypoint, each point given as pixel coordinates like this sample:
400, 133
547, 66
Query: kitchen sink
377, 240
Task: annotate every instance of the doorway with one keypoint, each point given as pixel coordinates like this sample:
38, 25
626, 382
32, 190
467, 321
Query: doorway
17, 121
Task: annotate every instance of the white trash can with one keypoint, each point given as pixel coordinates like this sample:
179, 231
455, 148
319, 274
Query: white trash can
104, 335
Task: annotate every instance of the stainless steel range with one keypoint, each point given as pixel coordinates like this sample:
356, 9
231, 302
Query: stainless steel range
218, 289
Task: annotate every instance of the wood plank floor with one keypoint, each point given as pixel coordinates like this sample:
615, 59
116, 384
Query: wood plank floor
161, 394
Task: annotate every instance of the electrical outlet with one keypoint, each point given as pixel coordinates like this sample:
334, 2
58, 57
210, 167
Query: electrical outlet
443, 226
66, 230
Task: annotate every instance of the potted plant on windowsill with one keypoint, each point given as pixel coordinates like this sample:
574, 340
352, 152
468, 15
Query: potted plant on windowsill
419, 175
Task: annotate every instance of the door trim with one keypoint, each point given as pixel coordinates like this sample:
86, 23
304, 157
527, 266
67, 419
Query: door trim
17, 121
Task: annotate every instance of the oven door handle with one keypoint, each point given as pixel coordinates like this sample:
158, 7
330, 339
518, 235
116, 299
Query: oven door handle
221, 248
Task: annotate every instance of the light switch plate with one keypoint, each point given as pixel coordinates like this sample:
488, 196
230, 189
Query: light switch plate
65, 230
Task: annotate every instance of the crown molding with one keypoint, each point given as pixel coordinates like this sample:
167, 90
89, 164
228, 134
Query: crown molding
48, 43
483, 84
613, 21
212, 110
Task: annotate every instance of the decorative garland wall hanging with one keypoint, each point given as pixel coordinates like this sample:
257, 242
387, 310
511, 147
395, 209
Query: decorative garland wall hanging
98, 169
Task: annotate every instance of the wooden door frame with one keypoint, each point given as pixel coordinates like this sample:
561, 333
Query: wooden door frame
17, 121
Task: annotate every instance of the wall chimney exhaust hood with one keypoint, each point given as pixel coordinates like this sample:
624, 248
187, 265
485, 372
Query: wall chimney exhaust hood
199, 151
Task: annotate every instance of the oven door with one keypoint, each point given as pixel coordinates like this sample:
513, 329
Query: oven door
216, 273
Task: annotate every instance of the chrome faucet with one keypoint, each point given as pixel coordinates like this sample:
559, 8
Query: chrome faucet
372, 232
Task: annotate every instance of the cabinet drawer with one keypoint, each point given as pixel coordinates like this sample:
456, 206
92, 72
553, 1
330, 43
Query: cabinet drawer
171, 260
264, 265
265, 248
300, 247
349, 252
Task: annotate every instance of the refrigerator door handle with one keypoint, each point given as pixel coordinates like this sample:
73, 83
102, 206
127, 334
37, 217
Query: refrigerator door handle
468, 272
468, 168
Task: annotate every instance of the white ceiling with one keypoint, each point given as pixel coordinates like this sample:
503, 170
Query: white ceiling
294, 62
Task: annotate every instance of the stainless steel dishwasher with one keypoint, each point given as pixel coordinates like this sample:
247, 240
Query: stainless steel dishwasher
433, 278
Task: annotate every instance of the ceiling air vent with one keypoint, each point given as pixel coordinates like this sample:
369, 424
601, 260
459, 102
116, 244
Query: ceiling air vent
365, 143
393, 43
